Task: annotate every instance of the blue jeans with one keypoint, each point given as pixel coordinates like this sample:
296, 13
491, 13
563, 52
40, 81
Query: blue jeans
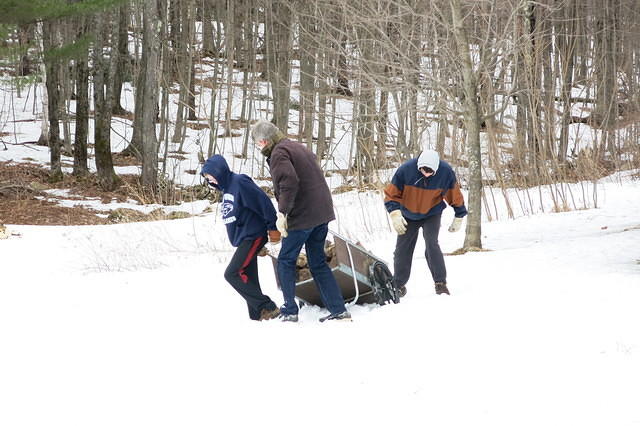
313, 240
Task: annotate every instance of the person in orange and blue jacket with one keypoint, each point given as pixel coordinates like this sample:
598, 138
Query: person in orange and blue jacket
419, 191
250, 219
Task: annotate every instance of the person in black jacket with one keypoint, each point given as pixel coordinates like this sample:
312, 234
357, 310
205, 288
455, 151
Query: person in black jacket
250, 219
305, 209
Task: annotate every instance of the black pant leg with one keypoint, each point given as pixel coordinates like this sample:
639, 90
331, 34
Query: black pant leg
254, 280
242, 274
433, 253
403, 254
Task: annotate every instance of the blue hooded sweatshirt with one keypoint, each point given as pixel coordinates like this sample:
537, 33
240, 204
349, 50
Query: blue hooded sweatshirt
247, 211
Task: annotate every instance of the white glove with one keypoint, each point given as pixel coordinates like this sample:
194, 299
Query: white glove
456, 224
281, 224
399, 222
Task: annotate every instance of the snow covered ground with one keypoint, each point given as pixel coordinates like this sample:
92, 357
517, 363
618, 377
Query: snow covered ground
133, 324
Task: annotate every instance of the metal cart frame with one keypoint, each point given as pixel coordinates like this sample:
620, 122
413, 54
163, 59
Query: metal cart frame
361, 276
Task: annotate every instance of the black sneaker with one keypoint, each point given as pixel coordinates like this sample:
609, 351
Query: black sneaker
442, 288
402, 291
342, 316
288, 317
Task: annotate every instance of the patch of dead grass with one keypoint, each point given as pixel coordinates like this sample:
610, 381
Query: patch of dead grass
197, 125
24, 202
121, 160
32, 211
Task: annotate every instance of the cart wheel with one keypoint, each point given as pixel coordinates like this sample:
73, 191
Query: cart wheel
381, 280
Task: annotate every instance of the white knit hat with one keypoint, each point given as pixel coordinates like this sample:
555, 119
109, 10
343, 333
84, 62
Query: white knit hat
429, 158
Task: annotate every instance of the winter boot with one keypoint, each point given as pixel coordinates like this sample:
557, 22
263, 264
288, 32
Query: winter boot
442, 288
288, 317
402, 291
342, 316
267, 314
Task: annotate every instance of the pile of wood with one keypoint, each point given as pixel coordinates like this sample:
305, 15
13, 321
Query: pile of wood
302, 264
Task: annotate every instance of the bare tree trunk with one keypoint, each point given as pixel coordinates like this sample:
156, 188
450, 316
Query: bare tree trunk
364, 160
278, 57
230, 39
80, 166
533, 67
135, 144
191, 98
246, 114
183, 67
343, 72
207, 27
566, 44
402, 147
365, 103
65, 94
122, 53
103, 99
308, 50
150, 52
412, 68
606, 66
213, 135
548, 98
52, 64
165, 64
473, 238
323, 89
527, 86
24, 64
43, 140
382, 128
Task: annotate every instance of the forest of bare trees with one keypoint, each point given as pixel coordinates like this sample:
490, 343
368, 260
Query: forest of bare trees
515, 93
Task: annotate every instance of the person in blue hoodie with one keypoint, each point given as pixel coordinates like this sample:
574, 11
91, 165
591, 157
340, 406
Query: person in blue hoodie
250, 219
